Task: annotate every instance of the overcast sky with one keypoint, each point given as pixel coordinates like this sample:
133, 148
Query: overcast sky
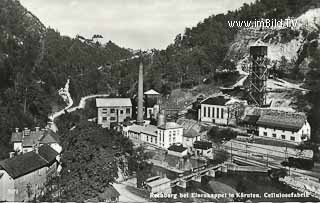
136, 24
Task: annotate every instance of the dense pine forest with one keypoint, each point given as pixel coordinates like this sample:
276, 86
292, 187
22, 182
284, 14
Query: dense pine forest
36, 61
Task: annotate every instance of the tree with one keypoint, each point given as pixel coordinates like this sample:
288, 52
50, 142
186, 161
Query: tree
138, 162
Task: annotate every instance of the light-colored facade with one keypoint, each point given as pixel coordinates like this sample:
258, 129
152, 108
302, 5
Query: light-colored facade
159, 186
113, 110
214, 114
161, 136
22, 178
214, 110
26, 187
169, 133
289, 135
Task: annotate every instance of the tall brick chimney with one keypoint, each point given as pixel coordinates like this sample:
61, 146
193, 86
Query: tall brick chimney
140, 94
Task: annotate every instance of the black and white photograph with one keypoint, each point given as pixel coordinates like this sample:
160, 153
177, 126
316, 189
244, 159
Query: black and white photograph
140, 101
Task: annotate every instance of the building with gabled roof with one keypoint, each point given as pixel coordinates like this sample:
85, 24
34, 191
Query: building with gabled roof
24, 176
24, 141
113, 110
214, 110
278, 124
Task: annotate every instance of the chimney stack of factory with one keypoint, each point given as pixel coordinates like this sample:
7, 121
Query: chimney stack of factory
140, 94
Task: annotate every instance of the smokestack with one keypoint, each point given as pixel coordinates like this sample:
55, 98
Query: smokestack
140, 95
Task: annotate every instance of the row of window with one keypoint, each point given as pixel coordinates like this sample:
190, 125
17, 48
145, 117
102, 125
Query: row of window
114, 111
213, 112
292, 138
111, 118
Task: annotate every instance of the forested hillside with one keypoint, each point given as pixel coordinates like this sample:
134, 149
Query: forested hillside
36, 61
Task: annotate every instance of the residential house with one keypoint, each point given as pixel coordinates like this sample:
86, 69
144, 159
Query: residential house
203, 148
214, 110
169, 133
23, 177
178, 150
24, 141
288, 126
113, 110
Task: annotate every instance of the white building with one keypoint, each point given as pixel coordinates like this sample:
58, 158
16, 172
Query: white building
169, 133
214, 110
113, 110
282, 125
162, 136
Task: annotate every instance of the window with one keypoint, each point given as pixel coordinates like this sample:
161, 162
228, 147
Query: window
147, 138
274, 135
104, 118
217, 112
104, 110
265, 134
292, 138
113, 118
127, 110
212, 112
222, 113
204, 111
209, 111
121, 111
151, 139
283, 137
112, 110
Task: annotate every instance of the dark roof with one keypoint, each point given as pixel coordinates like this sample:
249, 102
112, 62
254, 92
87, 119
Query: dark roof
28, 162
219, 100
251, 119
202, 145
282, 120
49, 154
177, 148
190, 133
46, 136
49, 138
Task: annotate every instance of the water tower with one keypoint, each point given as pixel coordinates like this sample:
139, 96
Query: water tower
258, 74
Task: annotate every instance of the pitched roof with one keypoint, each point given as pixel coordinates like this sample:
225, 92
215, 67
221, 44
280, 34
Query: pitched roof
177, 148
251, 119
190, 133
202, 145
136, 128
46, 136
113, 102
46, 152
282, 120
28, 162
49, 138
170, 125
151, 92
150, 130
219, 100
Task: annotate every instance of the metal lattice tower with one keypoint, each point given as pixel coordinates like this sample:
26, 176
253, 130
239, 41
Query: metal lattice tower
258, 75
